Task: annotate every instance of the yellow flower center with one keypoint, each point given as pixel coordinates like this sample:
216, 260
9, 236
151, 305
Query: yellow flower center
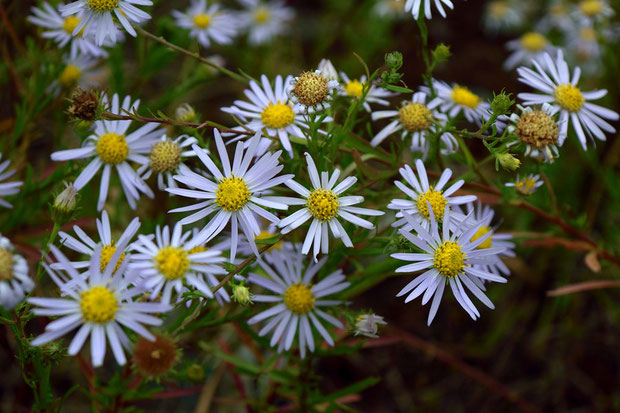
172, 262
262, 15
6, 265
415, 117
98, 305
569, 97
197, 249
463, 96
103, 5
438, 204
165, 156
299, 299
112, 148
268, 235
70, 24
526, 186
354, 88
537, 129
107, 251
323, 204
481, 233
587, 34
449, 259
69, 76
591, 7
232, 194
202, 21
311, 89
498, 9
534, 42
277, 115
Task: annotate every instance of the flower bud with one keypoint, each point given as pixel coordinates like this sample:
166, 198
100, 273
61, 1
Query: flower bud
394, 60
508, 161
64, 204
501, 104
185, 113
241, 294
368, 325
441, 53
195, 372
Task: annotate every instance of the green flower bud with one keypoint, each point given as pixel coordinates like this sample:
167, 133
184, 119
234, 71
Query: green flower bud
441, 53
394, 60
501, 104
241, 294
508, 162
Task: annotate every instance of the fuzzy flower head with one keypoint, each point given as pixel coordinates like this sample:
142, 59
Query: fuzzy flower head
166, 158
527, 185
264, 20
154, 358
552, 77
538, 130
324, 204
207, 23
15, 281
298, 301
448, 257
7, 188
312, 90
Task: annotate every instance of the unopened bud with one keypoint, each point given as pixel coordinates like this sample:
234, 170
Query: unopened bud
185, 113
508, 161
64, 204
241, 294
501, 104
368, 325
195, 372
394, 60
441, 53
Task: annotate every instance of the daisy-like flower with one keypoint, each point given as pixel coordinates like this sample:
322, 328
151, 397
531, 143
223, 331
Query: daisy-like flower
15, 281
297, 301
7, 188
99, 304
166, 265
527, 185
312, 91
353, 88
324, 204
593, 10
503, 15
235, 196
557, 16
207, 23
106, 245
166, 158
60, 31
270, 109
530, 46
415, 7
414, 119
552, 77
448, 256
111, 147
81, 71
582, 46
538, 130
422, 194
264, 20
455, 99
96, 15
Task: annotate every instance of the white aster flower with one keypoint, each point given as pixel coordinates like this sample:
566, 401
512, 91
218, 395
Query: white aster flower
15, 281
297, 301
207, 23
7, 188
166, 157
312, 91
264, 20
60, 30
552, 77
353, 88
235, 196
527, 185
110, 147
324, 204
416, 6
270, 109
448, 256
589, 11
455, 99
538, 130
414, 119
166, 264
422, 194
557, 16
530, 46
96, 15
99, 305
368, 325
503, 15
81, 71
583, 47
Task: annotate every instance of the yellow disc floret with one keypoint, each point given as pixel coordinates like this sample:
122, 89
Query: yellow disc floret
112, 148
569, 97
449, 259
202, 21
482, 231
69, 76
107, 251
323, 204
232, 194
299, 299
311, 89
415, 117
98, 305
354, 88
6, 264
438, 204
591, 8
165, 156
262, 15
172, 262
537, 129
533, 42
103, 5
463, 96
277, 115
